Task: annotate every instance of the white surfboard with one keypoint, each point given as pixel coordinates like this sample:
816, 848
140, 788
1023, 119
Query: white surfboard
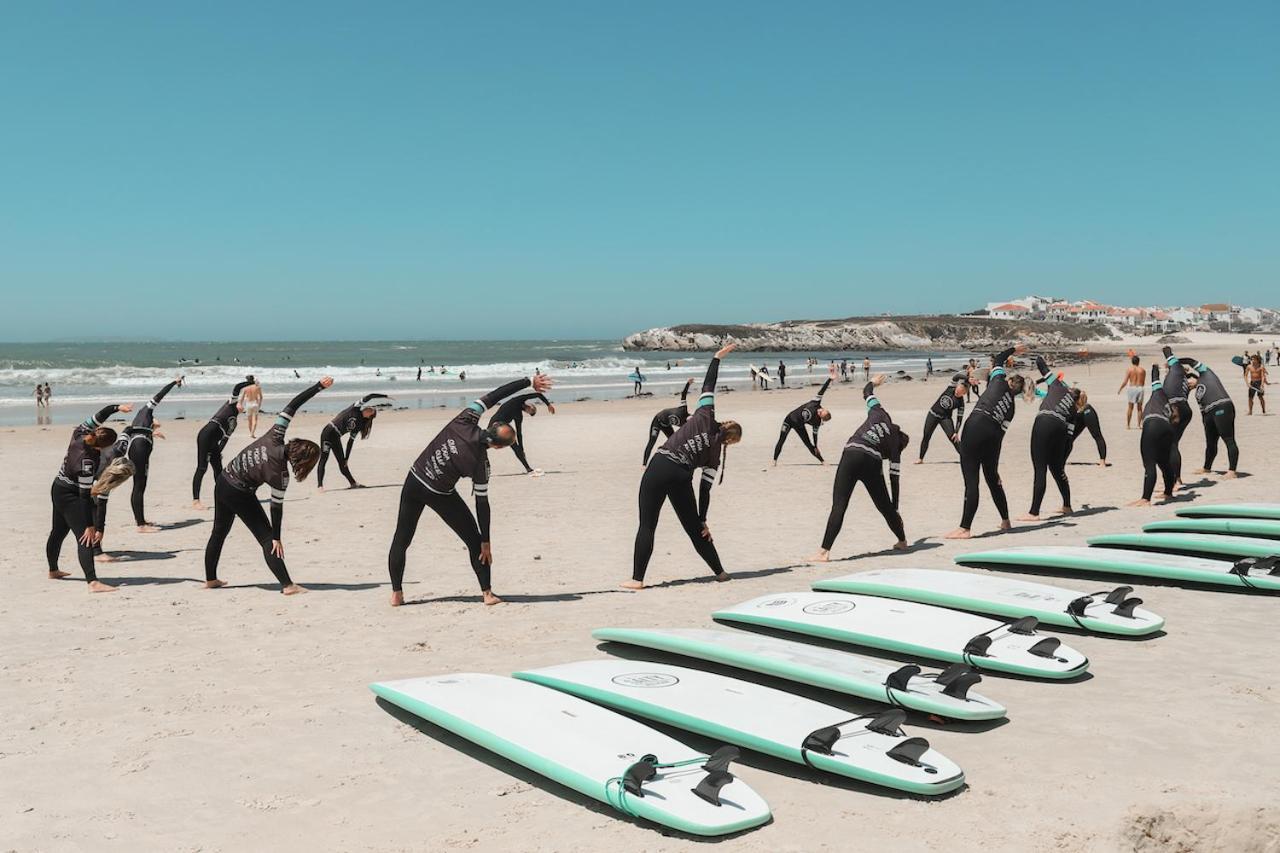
594, 751
920, 630
1112, 611
761, 718
946, 694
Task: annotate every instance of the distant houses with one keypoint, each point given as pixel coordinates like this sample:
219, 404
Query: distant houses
1147, 319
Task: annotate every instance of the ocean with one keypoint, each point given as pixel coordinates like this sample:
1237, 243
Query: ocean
86, 376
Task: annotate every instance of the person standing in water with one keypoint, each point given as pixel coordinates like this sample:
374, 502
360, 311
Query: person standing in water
947, 412
459, 451
782, 374
1133, 385
983, 437
512, 411
1050, 437
811, 415
73, 510
1159, 436
251, 404
1256, 375
213, 437
637, 380
266, 461
356, 419
1217, 413
702, 443
668, 421
878, 438
866, 368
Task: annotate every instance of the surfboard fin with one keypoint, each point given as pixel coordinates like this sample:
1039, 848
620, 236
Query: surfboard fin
1118, 595
899, 679
721, 758
1078, 605
910, 751
977, 647
888, 723
1046, 648
1026, 625
718, 774
1126, 607
957, 679
821, 740
639, 773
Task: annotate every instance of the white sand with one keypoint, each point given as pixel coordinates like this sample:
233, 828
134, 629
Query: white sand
165, 716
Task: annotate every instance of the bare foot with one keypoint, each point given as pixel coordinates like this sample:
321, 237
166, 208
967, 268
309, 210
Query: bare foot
148, 528
397, 598
103, 558
959, 533
919, 462
320, 489
1006, 525
1140, 502
57, 575
1231, 475
901, 545
99, 586
1028, 517
536, 472
1203, 471
215, 584
490, 599
293, 589
198, 504
722, 577
358, 486
1066, 510
823, 556
633, 584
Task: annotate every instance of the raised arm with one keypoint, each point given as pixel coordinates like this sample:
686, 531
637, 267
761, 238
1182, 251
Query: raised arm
286, 414
103, 414
497, 395
235, 392
823, 389
684, 394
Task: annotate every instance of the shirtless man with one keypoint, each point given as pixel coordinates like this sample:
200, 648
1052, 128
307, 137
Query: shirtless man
1135, 382
251, 403
1255, 376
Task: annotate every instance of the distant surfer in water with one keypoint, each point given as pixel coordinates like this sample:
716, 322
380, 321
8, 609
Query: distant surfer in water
512, 411
459, 451
356, 419
878, 439
811, 415
701, 442
667, 421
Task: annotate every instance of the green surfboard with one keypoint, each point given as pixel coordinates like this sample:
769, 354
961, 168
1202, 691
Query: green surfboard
1265, 511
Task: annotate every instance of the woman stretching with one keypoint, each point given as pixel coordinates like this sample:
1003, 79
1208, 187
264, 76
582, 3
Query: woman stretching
1086, 419
668, 421
947, 412
268, 461
1159, 433
863, 462
700, 443
356, 419
213, 436
983, 437
459, 451
1050, 440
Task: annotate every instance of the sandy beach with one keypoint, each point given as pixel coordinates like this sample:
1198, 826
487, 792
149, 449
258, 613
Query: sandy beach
170, 717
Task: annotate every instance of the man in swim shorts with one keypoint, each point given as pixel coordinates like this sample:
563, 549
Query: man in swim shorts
251, 402
1255, 375
1135, 381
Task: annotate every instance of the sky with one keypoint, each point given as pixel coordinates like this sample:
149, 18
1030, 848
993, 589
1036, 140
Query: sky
584, 169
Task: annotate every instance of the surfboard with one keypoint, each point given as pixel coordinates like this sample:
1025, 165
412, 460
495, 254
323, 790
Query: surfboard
920, 630
606, 756
1119, 561
1213, 546
1271, 511
871, 749
1255, 527
946, 694
1112, 611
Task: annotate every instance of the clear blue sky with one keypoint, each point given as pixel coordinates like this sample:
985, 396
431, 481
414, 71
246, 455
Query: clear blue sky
540, 169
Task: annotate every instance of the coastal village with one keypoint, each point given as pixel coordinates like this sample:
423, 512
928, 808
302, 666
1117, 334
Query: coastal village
1216, 317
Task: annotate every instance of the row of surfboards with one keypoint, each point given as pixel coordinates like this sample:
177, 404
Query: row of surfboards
562, 721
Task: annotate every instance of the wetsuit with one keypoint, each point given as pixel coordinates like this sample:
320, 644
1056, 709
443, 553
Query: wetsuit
1051, 437
135, 444
669, 477
1178, 391
235, 493
349, 422
668, 421
798, 419
1158, 434
947, 412
1217, 413
460, 450
982, 439
1087, 419
73, 509
862, 461
512, 412
213, 437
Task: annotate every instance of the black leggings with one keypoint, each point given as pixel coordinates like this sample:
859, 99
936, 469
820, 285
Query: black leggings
140, 456
518, 447
1221, 423
1049, 448
932, 422
453, 511
656, 428
787, 427
230, 503
859, 467
1175, 453
664, 480
980, 449
209, 444
1159, 443
331, 439
69, 517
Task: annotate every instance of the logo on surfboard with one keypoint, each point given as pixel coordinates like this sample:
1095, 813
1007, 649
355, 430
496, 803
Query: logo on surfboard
645, 679
829, 608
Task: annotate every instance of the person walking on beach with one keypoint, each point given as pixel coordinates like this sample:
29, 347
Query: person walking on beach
1159, 435
1133, 385
866, 368
1050, 437
701, 443
72, 495
459, 451
637, 380
928, 367
1256, 375
862, 461
983, 437
667, 421
213, 437
266, 461
811, 415
356, 419
250, 404
512, 412
947, 412
782, 374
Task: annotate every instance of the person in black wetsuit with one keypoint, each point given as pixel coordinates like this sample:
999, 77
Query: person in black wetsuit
668, 421
213, 437
266, 461
812, 415
1050, 438
947, 412
459, 451
983, 437
700, 443
356, 419
1159, 432
878, 439
1086, 418
512, 412
71, 493
1217, 413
